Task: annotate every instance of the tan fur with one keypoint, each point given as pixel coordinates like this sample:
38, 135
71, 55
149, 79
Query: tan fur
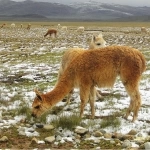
143, 30
80, 29
69, 55
64, 28
97, 68
28, 26
3, 25
50, 32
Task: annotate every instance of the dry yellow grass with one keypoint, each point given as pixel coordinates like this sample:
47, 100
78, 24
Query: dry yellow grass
96, 24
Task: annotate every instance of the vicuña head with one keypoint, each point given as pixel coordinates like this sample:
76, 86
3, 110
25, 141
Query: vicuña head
97, 68
97, 42
39, 107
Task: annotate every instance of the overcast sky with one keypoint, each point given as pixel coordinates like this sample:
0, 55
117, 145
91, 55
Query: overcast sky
123, 2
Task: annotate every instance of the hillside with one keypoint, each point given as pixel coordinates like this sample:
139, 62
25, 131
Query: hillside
76, 11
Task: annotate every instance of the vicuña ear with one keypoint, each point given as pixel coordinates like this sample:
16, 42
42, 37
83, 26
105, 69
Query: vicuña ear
93, 38
100, 35
38, 94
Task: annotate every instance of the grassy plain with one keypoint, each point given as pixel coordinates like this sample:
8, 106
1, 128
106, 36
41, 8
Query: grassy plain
84, 23
41, 61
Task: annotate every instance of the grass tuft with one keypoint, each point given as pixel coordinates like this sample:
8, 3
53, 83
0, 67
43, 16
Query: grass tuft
112, 121
67, 121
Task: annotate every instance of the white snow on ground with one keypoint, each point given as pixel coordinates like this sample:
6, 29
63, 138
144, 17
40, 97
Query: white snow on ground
102, 108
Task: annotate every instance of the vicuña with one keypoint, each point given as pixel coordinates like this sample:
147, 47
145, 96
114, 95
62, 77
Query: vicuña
69, 55
50, 32
97, 68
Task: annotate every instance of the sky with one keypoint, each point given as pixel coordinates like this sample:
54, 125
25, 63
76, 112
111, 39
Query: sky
122, 2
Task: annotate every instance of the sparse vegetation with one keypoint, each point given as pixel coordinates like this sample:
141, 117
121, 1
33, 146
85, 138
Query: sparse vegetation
67, 121
24, 109
28, 61
112, 121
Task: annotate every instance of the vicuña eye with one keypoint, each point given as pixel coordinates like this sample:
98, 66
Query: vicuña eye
98, 43
37, 107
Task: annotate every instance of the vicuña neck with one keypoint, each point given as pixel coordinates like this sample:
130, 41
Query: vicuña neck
61, 89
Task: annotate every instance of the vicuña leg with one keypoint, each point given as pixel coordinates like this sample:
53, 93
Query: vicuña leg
135, 100
69, 97
92, 101
84, 97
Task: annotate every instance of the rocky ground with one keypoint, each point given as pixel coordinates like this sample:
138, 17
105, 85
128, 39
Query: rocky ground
30, 61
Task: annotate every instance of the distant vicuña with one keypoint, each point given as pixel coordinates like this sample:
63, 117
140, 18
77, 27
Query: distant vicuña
97, 68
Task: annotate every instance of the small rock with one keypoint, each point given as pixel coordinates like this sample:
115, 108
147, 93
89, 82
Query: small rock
21, 129
28, 125
139, 135
4, 139
81, 130
58, 138
107, 135
56, 143
31, 130
147, 145
112, 142
68, 139
48, 127
117, 135
1, 121
127, 137
62, 141
97, 148
96, 141
39, 125
132, 132
50, 139
126, 144
98, 134
34, 140
22, 133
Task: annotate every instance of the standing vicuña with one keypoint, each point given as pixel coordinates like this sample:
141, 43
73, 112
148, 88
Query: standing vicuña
97, 68
69, 55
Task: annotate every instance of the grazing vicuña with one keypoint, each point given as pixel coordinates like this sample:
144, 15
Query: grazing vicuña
50, 32
97, 68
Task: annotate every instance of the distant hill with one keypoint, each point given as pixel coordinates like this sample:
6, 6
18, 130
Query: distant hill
77, 11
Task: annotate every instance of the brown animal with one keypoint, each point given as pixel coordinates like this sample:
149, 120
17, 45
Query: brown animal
97, 68
3, 25
28, 26
143, 30
50, 32
69, 55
